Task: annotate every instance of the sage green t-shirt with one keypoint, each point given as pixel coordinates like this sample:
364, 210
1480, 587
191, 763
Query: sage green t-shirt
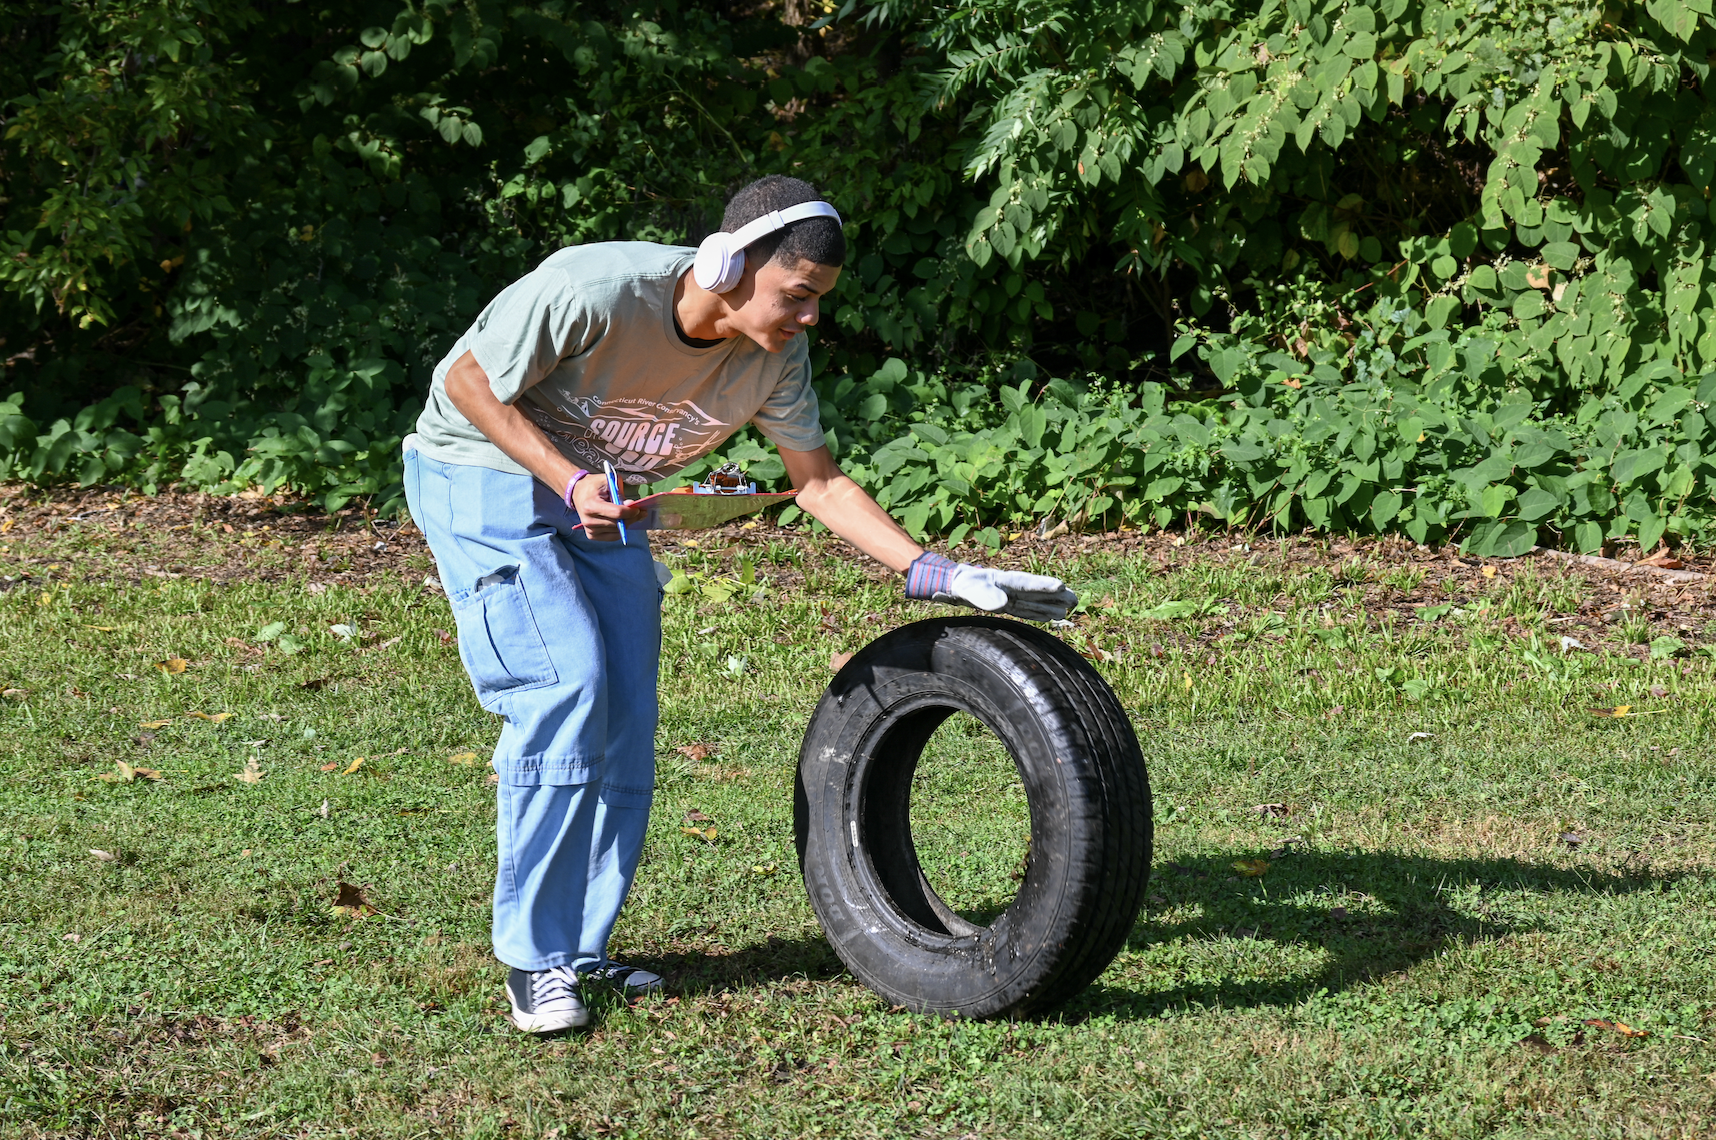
586, 346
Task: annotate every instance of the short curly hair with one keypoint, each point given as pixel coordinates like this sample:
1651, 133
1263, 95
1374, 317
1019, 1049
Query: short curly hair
818, 240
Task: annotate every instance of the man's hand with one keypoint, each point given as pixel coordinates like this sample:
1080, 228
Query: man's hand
1034, 597
597, 512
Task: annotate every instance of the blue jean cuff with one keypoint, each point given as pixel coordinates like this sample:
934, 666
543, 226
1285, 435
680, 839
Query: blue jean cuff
583, 963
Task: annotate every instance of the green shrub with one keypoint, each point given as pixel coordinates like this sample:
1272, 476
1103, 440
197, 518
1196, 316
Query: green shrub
1428, 266
1420, 444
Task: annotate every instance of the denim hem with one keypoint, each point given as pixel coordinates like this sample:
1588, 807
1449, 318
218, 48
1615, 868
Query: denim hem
582, 963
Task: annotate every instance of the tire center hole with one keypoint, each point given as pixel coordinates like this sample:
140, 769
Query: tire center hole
970, 821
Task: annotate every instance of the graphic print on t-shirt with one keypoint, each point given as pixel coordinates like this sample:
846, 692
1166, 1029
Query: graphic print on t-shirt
640, 437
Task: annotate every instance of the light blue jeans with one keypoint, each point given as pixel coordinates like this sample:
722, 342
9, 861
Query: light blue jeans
562, 637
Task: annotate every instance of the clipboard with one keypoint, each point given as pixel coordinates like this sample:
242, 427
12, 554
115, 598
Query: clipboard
681, 509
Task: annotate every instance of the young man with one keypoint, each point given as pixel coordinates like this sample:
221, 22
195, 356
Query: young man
648, 357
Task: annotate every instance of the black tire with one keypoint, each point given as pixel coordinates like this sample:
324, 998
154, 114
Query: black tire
1085, 783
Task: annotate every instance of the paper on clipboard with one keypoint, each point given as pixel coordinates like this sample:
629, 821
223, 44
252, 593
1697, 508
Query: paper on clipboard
680, 510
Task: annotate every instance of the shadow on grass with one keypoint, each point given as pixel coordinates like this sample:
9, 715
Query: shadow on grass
774, 960
1377, 914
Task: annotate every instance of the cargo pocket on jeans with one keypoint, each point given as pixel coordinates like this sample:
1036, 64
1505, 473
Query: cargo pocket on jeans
499, 642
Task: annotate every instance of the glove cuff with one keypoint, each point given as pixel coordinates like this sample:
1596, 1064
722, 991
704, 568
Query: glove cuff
929, 575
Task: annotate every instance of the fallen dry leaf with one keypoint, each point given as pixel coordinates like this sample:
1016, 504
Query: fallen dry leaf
354, 765
351, 903
1658, 691
104, 856
252, 772
1620, 1027
707, 833
216, 718
1250, 868
697, 752
1625, 710
1538, 1042
126, 773
717, 772
465, 758
493, 778
1420, 736
695, 816
1663, 559
324, 810
837, 661
14, 694
173, 665
329, 767
154, 723
1489, 571
1272, 811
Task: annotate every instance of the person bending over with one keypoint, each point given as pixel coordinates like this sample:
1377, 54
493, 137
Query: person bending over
645, 356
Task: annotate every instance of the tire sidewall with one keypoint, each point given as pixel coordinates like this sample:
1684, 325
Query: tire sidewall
981, 974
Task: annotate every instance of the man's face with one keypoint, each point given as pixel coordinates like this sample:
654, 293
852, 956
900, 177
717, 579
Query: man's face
774, 303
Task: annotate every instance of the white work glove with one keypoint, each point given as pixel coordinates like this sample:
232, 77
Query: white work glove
1034, 597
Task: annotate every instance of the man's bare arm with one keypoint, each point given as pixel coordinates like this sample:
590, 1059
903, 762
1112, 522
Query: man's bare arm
829, 495
523, 442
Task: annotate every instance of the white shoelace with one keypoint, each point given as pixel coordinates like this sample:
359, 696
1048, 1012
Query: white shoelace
555, 990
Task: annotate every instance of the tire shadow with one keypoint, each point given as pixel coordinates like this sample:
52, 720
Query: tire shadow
1372, 915
772, 960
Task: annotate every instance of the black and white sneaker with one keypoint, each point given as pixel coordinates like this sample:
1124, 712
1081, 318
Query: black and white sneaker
629, 980
546, 1001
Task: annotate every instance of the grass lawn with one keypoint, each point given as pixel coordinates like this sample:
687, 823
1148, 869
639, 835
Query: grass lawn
1486, 909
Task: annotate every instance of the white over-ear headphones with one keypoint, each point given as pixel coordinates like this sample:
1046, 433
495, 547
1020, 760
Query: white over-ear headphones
721, 258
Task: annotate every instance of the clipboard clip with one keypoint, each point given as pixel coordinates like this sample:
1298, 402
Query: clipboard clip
727, 479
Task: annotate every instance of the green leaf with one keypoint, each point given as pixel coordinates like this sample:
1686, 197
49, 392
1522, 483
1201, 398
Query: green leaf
1535, 504
1650, 532
1662, 648
1440, 309
1560, 254
1384, 507
1500, 539
1631, 465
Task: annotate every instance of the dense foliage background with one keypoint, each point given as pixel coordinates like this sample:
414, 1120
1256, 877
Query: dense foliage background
1435, 267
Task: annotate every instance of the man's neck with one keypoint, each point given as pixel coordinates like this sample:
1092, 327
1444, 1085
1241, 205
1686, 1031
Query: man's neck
700, 313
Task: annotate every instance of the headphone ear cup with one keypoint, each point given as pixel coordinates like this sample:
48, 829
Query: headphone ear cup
718, 266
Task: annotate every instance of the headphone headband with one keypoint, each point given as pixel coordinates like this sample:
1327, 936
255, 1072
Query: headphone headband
780, 220
721, 258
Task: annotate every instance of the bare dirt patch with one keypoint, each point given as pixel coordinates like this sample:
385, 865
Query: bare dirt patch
112, 534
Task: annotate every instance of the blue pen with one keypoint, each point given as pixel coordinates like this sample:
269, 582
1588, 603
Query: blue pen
614, 493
